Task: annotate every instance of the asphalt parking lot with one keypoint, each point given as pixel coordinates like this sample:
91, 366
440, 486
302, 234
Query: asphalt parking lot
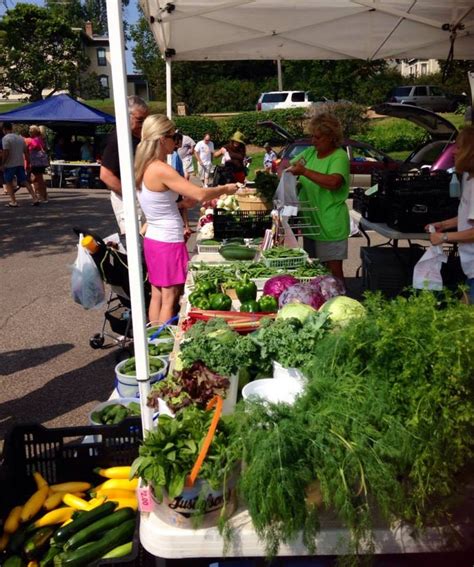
48, 372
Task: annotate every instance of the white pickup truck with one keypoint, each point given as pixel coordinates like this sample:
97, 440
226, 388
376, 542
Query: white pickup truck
287, 99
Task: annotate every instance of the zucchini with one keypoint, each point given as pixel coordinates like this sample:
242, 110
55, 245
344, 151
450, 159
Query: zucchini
84, 520
236, 252
103, 525
47, 559
119, 551
13, 561
36, 544
88, 553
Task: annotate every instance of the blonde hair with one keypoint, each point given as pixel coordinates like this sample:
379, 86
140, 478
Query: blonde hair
464, 157
154, 128
327, 124
35, 131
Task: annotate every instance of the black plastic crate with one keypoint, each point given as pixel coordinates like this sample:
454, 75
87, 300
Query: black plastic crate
412, 214
388, 181
389, 269
65, 454
371, 207
243, 224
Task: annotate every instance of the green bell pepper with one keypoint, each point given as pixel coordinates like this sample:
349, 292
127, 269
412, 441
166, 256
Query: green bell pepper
196, 296
205, 287
268, 304
220, 302
246, 290
250, 306
202, 302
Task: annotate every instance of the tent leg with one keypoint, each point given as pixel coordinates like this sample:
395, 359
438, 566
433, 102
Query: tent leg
169, 110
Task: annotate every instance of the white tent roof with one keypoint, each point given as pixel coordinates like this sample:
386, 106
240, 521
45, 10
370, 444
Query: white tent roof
198, 30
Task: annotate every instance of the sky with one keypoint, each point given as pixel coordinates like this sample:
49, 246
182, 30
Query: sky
130, 13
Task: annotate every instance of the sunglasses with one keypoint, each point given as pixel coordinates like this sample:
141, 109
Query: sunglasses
175, 137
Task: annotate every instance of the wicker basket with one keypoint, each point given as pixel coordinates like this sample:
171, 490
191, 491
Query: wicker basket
253, 203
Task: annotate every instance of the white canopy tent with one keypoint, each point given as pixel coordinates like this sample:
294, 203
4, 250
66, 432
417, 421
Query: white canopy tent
198, 30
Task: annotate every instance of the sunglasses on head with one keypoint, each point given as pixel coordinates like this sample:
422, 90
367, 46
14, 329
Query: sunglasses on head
175, 137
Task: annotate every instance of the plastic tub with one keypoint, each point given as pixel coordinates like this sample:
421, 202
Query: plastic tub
282, 373
273, 391
102, 405
127, 385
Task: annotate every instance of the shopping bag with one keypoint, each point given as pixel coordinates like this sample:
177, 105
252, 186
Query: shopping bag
39, 158
87, 286
285, 196
427, 271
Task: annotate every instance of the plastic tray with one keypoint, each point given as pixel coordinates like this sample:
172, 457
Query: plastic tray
290, 262
244, 224
208, 248
65, 454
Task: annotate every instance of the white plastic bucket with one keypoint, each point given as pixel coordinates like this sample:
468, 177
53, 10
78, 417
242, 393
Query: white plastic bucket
102, 405
282, 373
273, 391
231, 397
127, 385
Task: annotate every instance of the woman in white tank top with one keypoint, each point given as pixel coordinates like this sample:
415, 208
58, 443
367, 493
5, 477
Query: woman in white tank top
158, 186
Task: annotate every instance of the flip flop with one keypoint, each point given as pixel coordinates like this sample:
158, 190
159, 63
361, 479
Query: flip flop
35, 204
12, 205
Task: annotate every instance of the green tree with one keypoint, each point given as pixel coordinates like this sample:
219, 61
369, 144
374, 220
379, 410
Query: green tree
40, 51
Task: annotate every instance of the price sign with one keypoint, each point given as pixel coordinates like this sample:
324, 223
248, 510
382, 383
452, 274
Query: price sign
145, 501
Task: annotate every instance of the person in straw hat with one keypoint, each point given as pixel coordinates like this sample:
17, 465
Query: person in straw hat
234, 156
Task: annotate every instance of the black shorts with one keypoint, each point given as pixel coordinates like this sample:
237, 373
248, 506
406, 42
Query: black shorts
37, 170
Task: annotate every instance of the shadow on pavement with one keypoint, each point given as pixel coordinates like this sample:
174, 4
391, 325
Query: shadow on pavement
60, 395
17, 360
47, 229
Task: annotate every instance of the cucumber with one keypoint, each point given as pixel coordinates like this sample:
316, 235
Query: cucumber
84, 520
88, 553
209, 242
48, 558
102, 525
36, 544
235, 240
235, 252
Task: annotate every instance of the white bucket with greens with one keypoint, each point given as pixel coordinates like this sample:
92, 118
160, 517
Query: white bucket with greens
282, 373
126, 378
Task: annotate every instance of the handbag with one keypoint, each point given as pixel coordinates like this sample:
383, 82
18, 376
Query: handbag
39, 158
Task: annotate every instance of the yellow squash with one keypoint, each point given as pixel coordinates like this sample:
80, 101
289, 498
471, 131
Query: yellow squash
40, 481
12, 523
4, 541
115, 472
34, 503
120, 483
75, 502
58, 516
74, 486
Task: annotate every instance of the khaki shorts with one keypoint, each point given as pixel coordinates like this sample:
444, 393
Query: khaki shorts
326, 251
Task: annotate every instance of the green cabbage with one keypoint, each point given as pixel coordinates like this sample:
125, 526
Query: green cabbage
342, 309
299, 311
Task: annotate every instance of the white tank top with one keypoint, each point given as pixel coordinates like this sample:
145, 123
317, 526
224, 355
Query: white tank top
165, 223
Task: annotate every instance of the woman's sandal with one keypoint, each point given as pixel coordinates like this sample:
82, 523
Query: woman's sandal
12, 205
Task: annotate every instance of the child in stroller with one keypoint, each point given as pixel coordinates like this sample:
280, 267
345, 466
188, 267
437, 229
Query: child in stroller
111, 260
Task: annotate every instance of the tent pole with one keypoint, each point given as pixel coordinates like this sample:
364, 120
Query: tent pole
169, 111
119, 81
280, 78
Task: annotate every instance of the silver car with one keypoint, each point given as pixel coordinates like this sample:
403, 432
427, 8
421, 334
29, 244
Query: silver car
431, 97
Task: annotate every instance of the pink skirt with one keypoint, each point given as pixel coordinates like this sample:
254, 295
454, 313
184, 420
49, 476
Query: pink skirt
167, 262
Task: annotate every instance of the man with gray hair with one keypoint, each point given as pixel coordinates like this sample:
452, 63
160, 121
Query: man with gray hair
110, 167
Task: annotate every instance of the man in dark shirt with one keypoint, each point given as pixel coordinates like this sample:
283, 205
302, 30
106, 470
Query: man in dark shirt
110, 167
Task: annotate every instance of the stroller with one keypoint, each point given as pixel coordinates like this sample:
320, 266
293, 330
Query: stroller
113, 268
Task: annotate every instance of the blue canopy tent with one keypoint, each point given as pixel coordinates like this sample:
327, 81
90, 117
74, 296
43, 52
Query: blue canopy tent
58, 111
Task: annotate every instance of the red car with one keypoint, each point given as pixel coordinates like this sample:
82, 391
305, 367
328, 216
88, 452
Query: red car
364, 158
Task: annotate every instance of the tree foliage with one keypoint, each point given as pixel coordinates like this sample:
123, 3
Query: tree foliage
40, 51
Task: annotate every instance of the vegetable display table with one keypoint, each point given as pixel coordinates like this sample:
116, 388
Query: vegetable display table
384, 230
165, 541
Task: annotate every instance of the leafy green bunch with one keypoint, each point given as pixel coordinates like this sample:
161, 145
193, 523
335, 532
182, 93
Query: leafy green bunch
266, 184
384, 426
219, 347
167, 454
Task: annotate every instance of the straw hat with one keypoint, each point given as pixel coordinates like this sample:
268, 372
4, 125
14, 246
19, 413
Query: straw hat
238, 137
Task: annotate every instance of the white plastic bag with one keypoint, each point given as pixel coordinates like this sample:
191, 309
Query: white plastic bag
285, 195
87, 286
427, 271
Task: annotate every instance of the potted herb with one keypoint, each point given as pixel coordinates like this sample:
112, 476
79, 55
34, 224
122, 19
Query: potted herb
167, 457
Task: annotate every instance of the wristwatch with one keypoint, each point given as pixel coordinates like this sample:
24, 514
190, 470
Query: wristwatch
445, 238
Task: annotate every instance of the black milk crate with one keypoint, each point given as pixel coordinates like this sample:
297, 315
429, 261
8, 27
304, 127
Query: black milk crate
412, 214
371, 207
67, 454
389, 269
244, 224
388, 181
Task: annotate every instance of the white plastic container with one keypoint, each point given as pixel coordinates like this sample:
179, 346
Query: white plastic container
282, 373
127, 385
274, 391
231, 398
102, 405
